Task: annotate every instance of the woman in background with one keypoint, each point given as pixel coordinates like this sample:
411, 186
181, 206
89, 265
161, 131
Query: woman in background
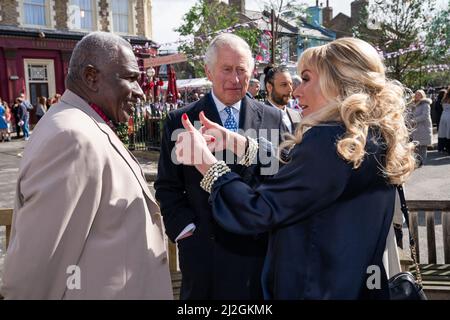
41, 108
444, 124
423, 129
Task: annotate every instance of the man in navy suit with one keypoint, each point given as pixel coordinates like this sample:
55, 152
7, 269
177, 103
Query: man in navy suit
215, 264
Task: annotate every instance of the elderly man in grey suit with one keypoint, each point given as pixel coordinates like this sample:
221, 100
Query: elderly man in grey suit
85, 223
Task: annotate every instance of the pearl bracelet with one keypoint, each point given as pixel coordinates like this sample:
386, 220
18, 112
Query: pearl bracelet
250, 153
217, 170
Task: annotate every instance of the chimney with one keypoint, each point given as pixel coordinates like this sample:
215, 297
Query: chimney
357, 8
317, 3
238, 4
327, 15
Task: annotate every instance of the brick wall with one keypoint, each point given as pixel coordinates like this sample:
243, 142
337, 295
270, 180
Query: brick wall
9, 12
104, 14
140, 18
61, 17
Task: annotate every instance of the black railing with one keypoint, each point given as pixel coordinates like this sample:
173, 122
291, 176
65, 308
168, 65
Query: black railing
144, 129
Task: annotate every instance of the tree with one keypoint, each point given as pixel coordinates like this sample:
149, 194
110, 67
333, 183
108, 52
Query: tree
438, 43
401, 27
203, 21
287, 10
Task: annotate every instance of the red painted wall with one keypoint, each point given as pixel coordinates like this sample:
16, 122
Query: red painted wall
3, 78
31, 48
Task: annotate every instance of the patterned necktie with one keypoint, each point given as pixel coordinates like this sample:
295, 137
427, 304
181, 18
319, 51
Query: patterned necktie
230, 122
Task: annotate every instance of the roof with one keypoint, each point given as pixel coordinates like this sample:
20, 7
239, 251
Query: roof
191, 83
8, 30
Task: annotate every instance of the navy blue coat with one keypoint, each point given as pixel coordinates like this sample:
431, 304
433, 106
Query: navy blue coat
328, 222
215, 263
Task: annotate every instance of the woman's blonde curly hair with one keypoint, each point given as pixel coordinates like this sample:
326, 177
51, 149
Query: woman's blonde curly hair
352, 79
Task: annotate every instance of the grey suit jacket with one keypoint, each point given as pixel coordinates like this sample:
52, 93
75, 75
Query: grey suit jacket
85, 225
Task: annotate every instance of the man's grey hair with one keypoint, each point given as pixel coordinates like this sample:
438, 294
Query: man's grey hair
230, 40
296, 81
253, 81
96, 49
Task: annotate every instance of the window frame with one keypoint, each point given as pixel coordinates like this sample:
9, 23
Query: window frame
131, 18
47, 16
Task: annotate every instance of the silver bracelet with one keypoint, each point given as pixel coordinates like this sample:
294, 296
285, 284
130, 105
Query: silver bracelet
250, 153
217, 170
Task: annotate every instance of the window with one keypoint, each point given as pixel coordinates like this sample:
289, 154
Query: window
82, 14
120, 10
35, 12
37, 72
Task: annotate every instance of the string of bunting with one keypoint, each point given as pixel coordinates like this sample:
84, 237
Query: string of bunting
420, 46
432, 68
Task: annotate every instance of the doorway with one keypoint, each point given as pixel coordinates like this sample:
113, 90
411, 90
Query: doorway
40, 81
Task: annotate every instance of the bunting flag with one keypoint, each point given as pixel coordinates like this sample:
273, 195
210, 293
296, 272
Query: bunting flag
419, 46
432, 68
268, 33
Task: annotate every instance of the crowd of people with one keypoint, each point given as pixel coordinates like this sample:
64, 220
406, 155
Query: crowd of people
15, 117
292, 198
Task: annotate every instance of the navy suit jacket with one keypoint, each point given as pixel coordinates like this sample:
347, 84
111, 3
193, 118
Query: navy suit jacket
328, 222
223, 264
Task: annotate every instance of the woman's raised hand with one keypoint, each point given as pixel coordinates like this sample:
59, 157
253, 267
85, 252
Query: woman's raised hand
191, 147
219, 138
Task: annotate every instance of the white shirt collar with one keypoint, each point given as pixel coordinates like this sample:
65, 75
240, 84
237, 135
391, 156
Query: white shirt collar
282, 110
220, 106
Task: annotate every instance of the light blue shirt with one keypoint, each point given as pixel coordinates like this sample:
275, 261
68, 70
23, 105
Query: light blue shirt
236, 108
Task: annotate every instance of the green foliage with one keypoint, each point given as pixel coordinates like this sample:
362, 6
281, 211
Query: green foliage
438, 37
122, 132
202, 21
402, 24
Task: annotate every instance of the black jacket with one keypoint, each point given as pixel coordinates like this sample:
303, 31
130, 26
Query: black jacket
215, 263
328, 222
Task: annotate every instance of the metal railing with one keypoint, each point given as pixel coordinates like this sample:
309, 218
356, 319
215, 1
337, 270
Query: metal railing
144, 129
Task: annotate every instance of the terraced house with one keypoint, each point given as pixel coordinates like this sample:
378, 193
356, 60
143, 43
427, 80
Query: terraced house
38, 36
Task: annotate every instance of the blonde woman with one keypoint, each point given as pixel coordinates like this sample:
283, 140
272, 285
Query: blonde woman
423, 129
328, 210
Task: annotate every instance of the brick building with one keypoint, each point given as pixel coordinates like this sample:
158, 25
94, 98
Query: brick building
343, 24
38, 36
